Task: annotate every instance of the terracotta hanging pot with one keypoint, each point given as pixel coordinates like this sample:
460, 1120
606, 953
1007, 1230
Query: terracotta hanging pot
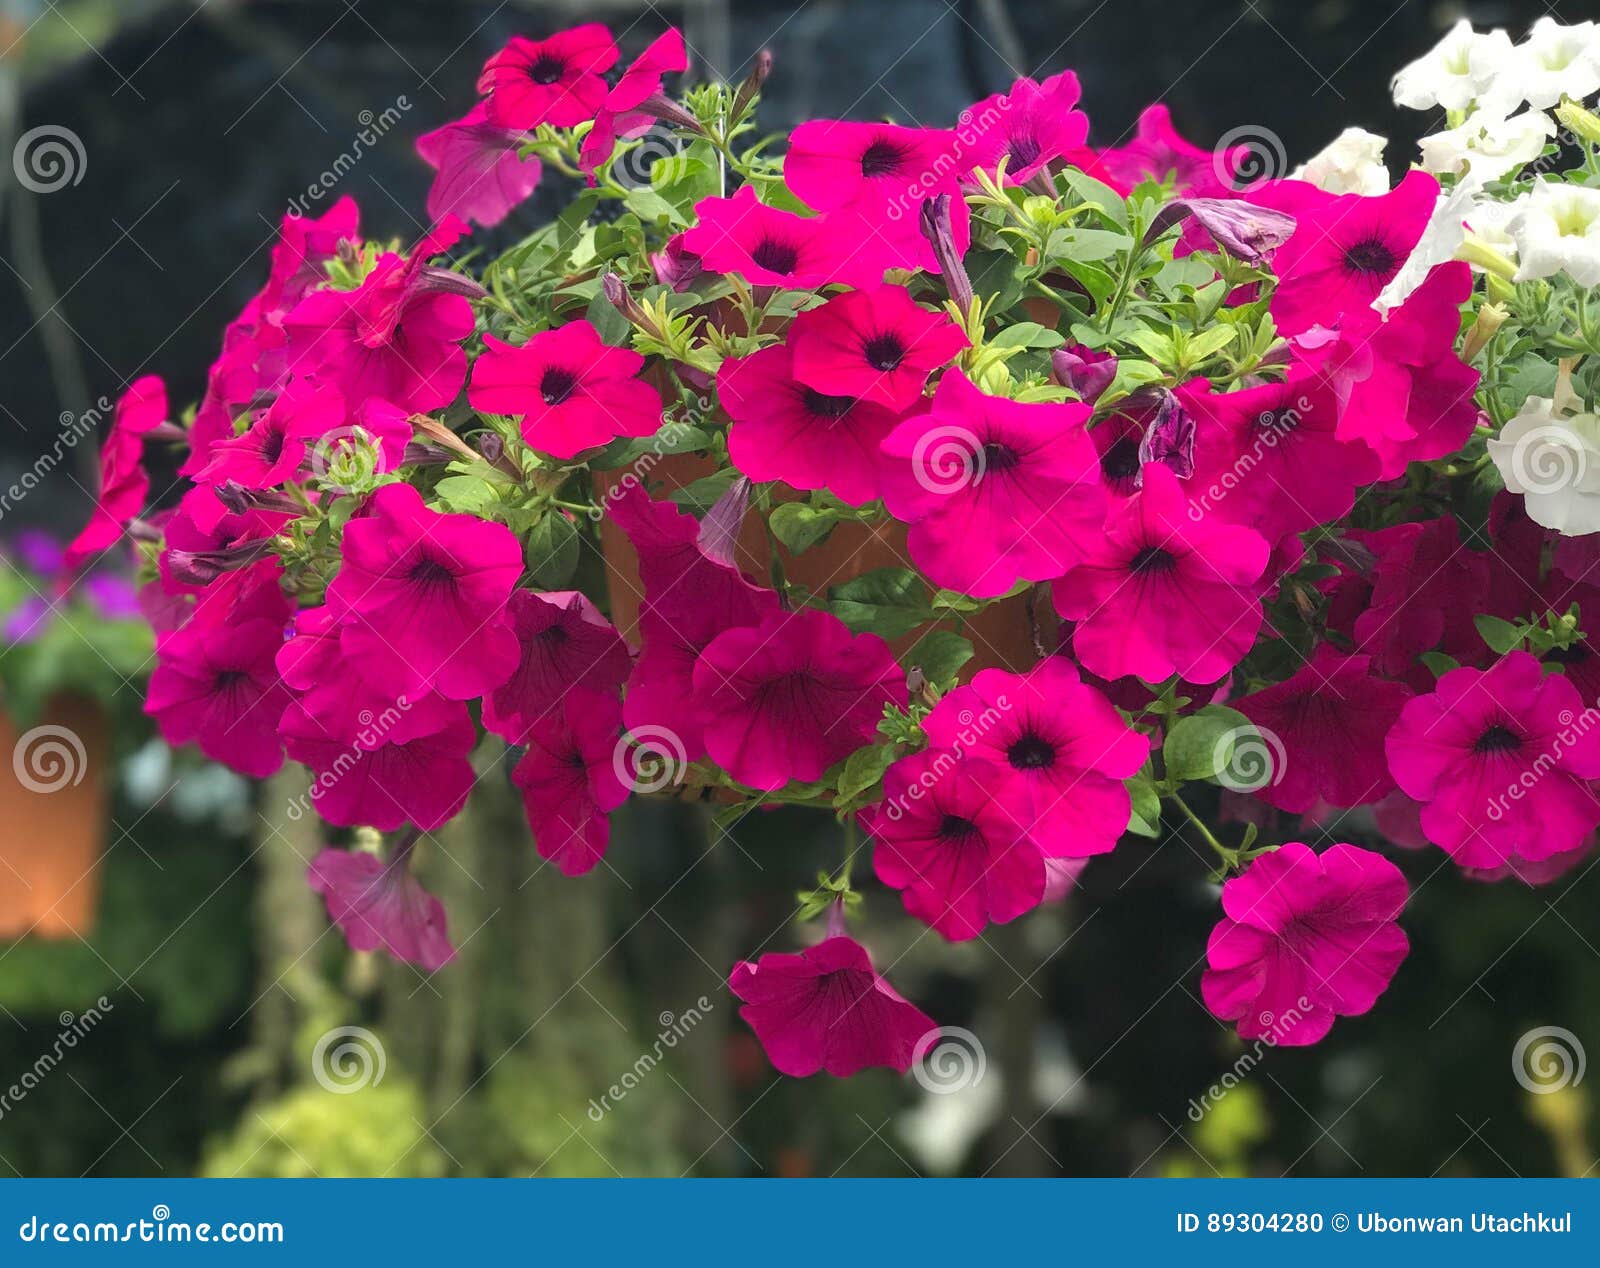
54, 814
1002, 635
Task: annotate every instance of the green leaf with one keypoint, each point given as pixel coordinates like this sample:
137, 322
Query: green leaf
1027, 334
1090, 190
1146, 818
701, 495
1438, 663
887, 601
800, 526
862, 772
940, 654
1501, 636
468, 495
1201, 745
611, 325
551, 548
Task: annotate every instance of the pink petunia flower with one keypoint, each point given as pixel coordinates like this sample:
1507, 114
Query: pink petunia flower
1158, 152
1305, 938
1323, 729
270, 451
943, 838
1058, 751
620, 114
1270, 456
124, 484
396, 336
786, 699
381, 904
572, 391
421, 596
566, 646
765, 245
1164, 592
1030, 126
217, 685
556, 80
995, 490
571, 779
835, 163
785, 430
1344, 249
1501, 760
876, 345
479, 174
409, 766
689, 600
828, 1009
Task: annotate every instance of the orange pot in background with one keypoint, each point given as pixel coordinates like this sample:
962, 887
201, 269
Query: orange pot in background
54, 812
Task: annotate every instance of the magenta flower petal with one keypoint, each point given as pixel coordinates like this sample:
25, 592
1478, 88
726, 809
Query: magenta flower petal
571, 779
378, 905
556, 80
567, 646
875, 345
479, 174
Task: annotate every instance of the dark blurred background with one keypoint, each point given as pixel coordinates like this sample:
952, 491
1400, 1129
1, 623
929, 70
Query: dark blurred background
198, 122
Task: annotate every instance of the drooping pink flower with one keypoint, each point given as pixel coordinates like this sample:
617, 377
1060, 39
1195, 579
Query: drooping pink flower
767, 246
571, 779
620, 114
1087, 372
272, 448
945, 840
572, 391
689, 599
995, 490
409, 766
566, 646
556, 80
786, 699
124, 484
1323, 732
1270, 456
1501, 760
827, 1009
784, 430
1305, 938
1158, 152
1057, 753
217, 685
1344, 250
1164, 592
379, 904
479, 173
421, 596
396, 336
876, 345
1029, 127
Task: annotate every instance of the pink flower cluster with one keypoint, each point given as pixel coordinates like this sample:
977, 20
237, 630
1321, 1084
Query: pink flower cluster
320, 593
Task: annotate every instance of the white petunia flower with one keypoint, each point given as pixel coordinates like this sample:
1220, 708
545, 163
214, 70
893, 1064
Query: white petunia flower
1554, 463
1554, 61
1558, 230
1488, 223
1455, 71
1352, 163
1445, 231
1488, 143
